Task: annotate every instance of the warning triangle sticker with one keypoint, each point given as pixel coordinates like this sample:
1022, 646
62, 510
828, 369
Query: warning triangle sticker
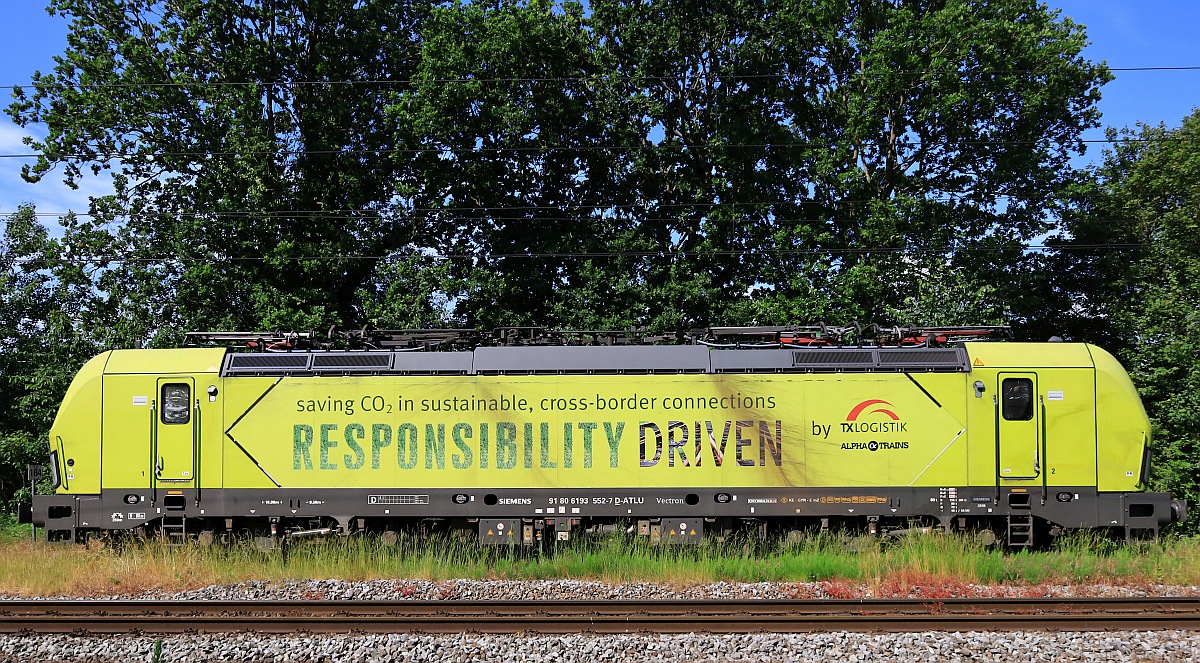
978, 362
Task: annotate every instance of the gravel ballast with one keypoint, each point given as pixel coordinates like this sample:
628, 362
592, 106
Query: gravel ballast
970, 646
838, 646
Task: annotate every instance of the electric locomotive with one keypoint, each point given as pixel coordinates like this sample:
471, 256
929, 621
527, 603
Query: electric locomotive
526, 436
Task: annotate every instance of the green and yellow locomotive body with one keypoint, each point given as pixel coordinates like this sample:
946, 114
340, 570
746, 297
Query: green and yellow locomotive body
523, 444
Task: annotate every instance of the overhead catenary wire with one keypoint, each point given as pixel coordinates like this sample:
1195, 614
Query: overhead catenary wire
583, 255
941, 198
210, 218
546, 149
699, 76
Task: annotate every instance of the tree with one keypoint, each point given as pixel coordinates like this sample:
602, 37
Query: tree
650, 163
513, 114
45, 307
252, 172
819, 160
1130, 279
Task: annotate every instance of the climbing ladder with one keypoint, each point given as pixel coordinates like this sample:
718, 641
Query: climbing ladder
1020, 531
173, 530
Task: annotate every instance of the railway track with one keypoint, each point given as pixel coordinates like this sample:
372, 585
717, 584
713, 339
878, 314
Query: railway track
607, 617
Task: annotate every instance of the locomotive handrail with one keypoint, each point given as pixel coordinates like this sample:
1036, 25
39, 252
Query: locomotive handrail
153, 452
1037, 449
996, 407
1045, 477
196, 450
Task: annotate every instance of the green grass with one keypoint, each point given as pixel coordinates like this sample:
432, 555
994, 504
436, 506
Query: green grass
10, 531
932, 564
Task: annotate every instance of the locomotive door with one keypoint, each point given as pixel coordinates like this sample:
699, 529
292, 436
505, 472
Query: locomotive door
1018, 426
175, 431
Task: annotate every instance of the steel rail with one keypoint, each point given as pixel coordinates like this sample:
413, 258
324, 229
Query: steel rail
558, 617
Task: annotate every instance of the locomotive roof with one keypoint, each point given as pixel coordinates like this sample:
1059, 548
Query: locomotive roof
591, 360
598, 360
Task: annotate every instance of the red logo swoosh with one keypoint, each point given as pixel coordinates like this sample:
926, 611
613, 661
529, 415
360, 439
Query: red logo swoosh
858, 409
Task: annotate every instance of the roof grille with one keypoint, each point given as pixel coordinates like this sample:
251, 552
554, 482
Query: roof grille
926, 358
357, 360
863, 358
296, 361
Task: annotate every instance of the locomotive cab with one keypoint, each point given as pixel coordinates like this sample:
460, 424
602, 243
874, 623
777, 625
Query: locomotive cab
1071, 439
125, 445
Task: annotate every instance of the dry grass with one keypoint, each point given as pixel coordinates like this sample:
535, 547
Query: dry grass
926, 565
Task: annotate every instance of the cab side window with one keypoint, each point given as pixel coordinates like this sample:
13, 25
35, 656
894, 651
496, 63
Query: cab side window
1018, 399
176, 403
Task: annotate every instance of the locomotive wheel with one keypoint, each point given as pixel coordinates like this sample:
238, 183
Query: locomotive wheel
986, 538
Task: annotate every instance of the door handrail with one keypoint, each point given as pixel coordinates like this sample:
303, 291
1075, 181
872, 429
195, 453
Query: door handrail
996, 406
196, 449
153, 452
1045, 477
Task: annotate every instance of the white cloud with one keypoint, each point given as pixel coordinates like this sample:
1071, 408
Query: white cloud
49, 196
11, 137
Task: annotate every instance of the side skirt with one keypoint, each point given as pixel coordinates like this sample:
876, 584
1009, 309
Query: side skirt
373, 508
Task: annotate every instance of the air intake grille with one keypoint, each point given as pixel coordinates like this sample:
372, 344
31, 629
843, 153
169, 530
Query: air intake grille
833, 358
363, 360
927, 358
297, 361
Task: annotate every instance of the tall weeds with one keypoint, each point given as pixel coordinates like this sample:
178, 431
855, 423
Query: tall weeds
917, 563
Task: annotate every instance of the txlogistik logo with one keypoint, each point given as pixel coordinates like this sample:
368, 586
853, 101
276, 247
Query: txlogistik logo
853, 425
869, 416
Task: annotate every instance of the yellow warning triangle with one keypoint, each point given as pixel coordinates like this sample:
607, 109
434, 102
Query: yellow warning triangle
978, 362
490, 533
692, 533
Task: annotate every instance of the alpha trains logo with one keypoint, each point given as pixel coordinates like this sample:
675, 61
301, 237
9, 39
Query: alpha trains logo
872, 417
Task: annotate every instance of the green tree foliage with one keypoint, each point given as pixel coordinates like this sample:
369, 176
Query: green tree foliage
42, 302
517, 126
1129, 275
732, 161
246, 146
811, 141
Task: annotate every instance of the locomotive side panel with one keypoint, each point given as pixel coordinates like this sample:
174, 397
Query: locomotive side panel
127, 429
161, 431
1124, 428
238, 467
1031, 414
1067, 400
646, 431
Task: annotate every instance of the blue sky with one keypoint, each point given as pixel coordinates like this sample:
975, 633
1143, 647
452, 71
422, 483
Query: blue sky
1152, 33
